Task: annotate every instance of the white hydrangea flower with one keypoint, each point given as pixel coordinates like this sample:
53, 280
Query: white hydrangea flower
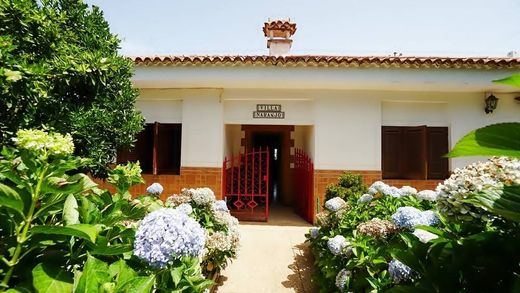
338, 245
474, 178
365, 198
219, 241
391, 191
341, 279
184, 208
424, 236
201, 196
335, 204
220, 205
407, 191
377, 187
155, 189
429, 195
167, 234
42, 142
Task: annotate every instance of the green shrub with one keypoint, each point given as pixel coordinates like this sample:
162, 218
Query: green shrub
370, 242
349, 185
60, 69
60, 232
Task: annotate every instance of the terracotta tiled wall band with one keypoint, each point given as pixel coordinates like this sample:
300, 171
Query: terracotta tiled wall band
322, 178
189, 177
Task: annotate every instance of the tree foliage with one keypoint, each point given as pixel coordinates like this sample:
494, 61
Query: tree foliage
60, 70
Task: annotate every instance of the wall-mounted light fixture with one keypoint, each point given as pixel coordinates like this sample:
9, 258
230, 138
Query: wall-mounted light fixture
491, 103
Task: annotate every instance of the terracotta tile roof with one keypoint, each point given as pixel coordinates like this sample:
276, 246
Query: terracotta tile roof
331, 61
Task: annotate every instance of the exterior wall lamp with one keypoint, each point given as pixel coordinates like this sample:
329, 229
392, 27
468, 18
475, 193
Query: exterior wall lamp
491, 103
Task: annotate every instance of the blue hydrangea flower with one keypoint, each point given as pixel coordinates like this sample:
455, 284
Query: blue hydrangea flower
341, 279
335, 204
409, 217
365, 198
314, 231
337, 245
184, 208
168, 234
155, 189
399, 272
430, 218
220, 206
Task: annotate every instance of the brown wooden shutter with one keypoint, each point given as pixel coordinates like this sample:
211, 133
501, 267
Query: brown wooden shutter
144, 149
437, 148
169, 148
391, 151
414, 155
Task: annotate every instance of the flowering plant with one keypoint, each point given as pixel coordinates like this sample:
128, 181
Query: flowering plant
355, 237
221, 229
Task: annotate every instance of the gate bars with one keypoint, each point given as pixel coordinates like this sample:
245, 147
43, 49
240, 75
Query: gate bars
246, 184
304, 185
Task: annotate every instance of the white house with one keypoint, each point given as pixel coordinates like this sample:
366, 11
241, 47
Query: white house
385, 117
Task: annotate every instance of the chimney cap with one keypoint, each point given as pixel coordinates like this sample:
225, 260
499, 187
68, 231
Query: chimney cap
279, 28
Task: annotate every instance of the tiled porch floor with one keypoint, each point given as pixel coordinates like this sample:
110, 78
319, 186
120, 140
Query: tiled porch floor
273, 257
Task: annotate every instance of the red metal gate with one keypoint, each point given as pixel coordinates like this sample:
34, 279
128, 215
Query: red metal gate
304, 185
246, 184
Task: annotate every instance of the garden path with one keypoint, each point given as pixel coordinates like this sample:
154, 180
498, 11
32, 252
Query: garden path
273, 257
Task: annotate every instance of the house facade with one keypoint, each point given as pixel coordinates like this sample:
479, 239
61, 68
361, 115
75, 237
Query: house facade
385, 117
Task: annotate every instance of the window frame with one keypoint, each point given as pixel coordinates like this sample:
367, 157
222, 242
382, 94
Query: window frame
412, 149
157, 168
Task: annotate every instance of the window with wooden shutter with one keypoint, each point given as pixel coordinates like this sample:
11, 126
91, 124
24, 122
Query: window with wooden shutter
157, 148
437, 147
391, 157
413, 148
169, 148
414, 152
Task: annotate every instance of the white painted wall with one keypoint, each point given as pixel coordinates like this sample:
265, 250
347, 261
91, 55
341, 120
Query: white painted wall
233, 137
347, 132
297, 112
347, 106
202, 131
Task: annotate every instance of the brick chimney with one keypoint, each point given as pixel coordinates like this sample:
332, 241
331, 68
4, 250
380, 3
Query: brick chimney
279, 34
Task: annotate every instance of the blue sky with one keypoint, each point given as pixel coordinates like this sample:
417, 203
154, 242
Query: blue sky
334, 27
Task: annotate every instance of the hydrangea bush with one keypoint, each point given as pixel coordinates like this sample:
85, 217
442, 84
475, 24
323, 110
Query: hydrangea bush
355, 236
221, 228
433, 241
60, 228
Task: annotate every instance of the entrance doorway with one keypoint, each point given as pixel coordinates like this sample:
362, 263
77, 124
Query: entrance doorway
277, 138
273, 143
264, 170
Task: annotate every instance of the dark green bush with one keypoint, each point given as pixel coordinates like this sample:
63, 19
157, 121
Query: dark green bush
349, 186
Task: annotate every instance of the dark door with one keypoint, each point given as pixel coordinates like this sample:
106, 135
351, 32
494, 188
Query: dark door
274, 142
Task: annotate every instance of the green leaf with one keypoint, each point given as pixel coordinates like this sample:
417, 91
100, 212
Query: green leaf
504, 202
70, 210
12, 75
513, 80
176, 274
51, 279
139, 285
77, 183
122, 272
112, 249
10, 198
501, 139
84, 231
95, 273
